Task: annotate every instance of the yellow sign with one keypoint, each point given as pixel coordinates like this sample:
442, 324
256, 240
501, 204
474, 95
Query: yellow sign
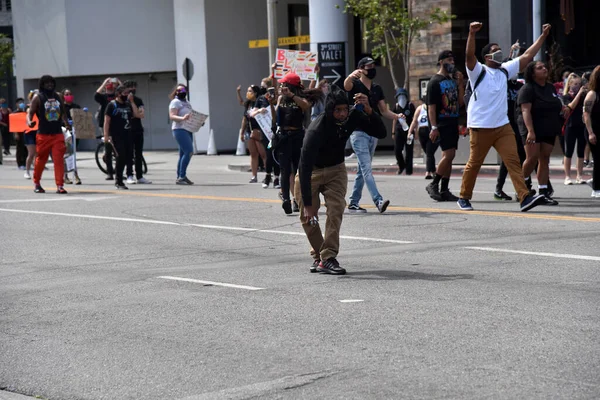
284, 41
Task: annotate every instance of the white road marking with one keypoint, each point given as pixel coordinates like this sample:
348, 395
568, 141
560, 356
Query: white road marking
229, 285
67, 198
351, 301
534, 253
216, 227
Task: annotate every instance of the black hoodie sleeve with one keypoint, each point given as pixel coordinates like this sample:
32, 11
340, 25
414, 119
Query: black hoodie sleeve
372, 124
310, 150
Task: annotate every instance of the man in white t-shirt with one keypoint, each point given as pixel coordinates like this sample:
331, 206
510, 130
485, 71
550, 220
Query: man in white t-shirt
487, 117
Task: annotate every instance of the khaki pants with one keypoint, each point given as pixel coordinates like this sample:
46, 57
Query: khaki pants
503, 140
332, 182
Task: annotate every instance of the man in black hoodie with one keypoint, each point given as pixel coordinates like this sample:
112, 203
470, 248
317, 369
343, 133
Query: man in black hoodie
322, 171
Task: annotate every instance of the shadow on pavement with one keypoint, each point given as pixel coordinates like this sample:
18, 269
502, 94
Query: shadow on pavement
403, 275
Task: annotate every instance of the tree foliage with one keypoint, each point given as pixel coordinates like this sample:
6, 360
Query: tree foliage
6, 54
391, 28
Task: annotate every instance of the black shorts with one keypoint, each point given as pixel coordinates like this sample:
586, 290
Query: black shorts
448, 137
551, 140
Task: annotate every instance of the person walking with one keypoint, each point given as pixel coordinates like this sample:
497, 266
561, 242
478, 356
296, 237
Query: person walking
48, 107
104, 95
574, 128
591, 115
420, 128
402, 139
180, 110
487, 117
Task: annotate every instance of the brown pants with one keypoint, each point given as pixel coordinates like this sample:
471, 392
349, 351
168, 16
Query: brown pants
332, 182
503, 140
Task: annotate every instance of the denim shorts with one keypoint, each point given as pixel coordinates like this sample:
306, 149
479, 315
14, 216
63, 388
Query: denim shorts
29, 138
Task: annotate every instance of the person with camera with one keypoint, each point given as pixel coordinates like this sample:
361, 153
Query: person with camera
104, 95
359, 82
445, 93
117, 129
253, 136
323, 171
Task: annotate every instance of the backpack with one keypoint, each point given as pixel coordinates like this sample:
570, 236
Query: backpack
471, 91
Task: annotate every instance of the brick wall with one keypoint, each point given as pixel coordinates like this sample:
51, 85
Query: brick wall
425, 49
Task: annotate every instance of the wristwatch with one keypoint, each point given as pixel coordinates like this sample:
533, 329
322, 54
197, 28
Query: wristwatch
433, 127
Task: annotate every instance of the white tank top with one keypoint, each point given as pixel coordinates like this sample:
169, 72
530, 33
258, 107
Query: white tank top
423, 117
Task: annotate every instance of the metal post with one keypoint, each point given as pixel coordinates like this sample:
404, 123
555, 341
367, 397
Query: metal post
272, 30
537, 24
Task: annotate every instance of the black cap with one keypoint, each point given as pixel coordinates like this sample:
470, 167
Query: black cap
365, 61
445, 54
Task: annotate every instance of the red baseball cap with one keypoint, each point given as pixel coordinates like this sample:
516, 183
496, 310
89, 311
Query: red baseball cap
291, 78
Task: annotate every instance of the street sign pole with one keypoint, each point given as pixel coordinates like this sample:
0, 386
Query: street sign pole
188, 73
272, 29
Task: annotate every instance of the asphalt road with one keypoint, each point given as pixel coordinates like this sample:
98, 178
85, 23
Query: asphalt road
437, 303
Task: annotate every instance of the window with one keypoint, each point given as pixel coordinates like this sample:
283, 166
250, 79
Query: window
8, 5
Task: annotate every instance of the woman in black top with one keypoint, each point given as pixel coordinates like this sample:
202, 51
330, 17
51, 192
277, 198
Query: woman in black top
291, 107
591, 116
539, 123
68, 97
253, 135
573, 96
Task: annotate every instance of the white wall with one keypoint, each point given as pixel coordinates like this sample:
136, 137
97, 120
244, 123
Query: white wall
120, 36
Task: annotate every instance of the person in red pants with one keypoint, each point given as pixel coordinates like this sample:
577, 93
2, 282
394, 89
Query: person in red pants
49, 108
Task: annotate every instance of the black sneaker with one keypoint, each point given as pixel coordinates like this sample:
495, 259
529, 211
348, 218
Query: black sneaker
276, 184
267, 181
287, 206
110, 178
39, 189
331, 267
353, 208
434, 191
550, 189
531, 202
447, 195
295, 207
314, 266
464, 205
60, 190
500, 195
121, 186
382, 205
548, 200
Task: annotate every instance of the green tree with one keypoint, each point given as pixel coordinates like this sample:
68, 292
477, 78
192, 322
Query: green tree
391, 27
6, 55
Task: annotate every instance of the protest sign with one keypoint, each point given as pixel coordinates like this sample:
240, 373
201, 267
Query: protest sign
195, 122
299, 61
18, 123
265, 122
83, 124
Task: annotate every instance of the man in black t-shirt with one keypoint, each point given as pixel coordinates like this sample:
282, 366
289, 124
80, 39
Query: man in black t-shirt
104, 95
361, 81
117, 130
405, 107
444, 99
137, 137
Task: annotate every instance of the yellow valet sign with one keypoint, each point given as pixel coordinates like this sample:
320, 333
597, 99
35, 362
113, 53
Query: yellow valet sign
284, 41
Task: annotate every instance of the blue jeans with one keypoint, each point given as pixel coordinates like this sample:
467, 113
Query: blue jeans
364, 147
185, 140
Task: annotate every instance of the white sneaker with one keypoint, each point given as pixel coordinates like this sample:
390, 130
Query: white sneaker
27, 176
143, 180
568, 181
590, 183
130, 180
596, 194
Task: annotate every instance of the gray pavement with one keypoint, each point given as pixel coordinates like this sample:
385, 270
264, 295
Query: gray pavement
110, 294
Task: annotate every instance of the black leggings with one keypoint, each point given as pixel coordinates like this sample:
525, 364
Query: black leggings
272, 167
572, 135
399, 145
138, 147
429, 148
124, 146
288, 156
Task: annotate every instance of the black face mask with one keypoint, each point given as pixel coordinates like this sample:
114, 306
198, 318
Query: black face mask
181, 96
371, 73
123, 97
49, 91
449, 68
133, 92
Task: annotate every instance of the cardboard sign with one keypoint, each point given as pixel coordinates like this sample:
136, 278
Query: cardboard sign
265, 122
195, 122
83, 124
299, 61
18, 123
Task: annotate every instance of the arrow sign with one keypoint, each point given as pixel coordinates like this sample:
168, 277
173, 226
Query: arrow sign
332, 61
335, 75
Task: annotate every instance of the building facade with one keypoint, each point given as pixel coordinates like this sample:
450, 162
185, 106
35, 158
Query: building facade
83, 42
